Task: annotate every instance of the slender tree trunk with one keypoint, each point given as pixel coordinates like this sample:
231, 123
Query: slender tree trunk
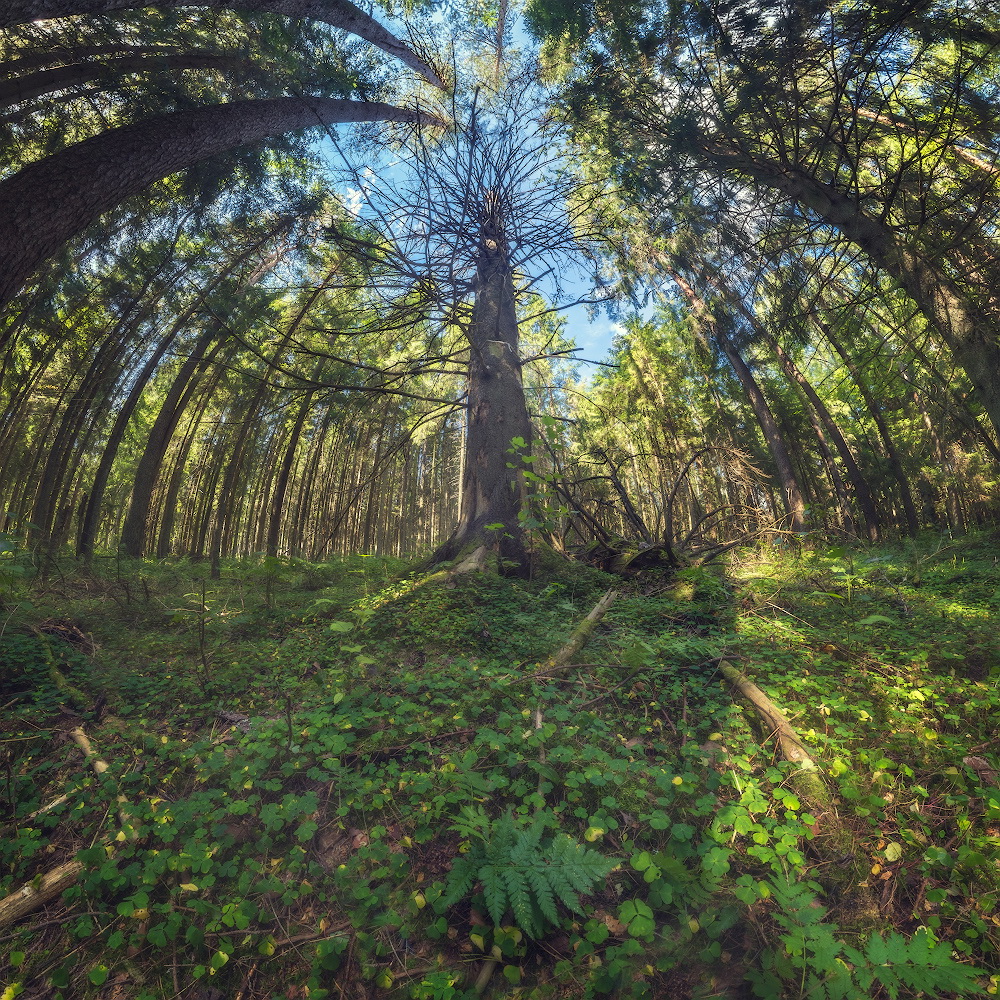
791, 492
27, 88
906, 496
133, 539
862, 491
165, 535
968, 331
284, 473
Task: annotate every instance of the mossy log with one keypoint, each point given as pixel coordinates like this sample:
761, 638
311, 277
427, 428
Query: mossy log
580, 636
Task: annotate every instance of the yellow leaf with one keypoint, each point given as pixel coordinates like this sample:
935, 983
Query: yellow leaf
189, 887
420, 900
678, 780
593, 832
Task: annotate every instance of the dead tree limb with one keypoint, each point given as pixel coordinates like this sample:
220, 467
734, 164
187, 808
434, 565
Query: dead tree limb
579, 637
35, 894
857, 899
807, 779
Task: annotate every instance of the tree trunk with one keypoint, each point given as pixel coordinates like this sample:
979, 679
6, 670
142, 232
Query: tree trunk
895, 464
281, 485
50, 201
337, 13
46, 81
862, 491
792, 494
133, 539
498, 435
968, 332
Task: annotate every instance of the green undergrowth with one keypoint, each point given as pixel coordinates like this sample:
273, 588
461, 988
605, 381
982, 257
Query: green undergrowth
399, 801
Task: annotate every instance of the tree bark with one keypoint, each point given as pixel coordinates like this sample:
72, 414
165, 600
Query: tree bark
968, 332
54, 199
27, 88
493, 484
337, 13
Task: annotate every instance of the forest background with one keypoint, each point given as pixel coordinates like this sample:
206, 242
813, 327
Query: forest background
295, 441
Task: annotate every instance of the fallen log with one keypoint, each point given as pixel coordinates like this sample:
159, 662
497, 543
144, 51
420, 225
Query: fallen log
35, 894
579, 637
807, 779
857, 899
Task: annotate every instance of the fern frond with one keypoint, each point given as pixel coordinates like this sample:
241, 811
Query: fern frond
519, 893
462, 877
524, 871
495, 891
545, 895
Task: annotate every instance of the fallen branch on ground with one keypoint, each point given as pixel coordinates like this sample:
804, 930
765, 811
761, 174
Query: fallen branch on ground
36, 893
857, 896
562, 659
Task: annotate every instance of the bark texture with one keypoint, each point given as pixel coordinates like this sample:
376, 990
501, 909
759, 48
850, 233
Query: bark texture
111, 71
337, 13
492, 482
49, 202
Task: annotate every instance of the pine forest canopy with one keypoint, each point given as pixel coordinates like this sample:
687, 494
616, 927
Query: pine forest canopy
231, 326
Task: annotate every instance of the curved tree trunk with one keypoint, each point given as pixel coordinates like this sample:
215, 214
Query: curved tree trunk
133, 538
337, 13
46, 81
277, 504
50, 201
968, 331
92, 512
895, 463
862, 491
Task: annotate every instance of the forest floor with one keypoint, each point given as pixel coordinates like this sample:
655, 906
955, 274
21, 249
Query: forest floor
337, 780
